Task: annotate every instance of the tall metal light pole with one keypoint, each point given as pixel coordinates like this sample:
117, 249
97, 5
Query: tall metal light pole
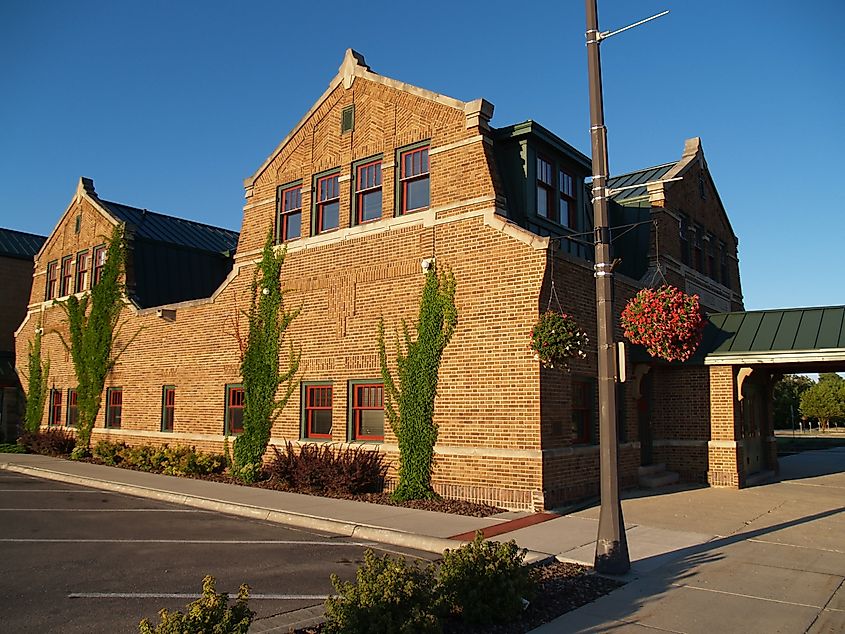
611, 544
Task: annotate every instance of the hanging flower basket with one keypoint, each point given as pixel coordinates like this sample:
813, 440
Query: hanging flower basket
665, 320
556, 338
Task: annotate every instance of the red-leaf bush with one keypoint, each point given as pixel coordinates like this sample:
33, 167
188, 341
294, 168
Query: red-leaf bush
666, 321
556, 338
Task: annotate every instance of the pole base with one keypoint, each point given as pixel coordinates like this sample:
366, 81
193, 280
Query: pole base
612, 557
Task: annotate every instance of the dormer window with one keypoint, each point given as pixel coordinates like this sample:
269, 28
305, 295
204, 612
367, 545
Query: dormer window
545, 190
568, 213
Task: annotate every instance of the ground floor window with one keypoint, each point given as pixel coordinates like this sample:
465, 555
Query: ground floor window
55, 417
72, 409
114, 407
367, 411
582, 411
168, 407
317, 410
235, 398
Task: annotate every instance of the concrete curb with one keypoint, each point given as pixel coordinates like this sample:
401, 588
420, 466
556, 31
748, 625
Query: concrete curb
364, 532
289, 621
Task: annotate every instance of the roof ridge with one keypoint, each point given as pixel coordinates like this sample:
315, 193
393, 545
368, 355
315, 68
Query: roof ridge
779, 310
164, 215
23, 233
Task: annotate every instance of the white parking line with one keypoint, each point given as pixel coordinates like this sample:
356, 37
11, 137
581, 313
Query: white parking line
179, 595
17, 510
287, 542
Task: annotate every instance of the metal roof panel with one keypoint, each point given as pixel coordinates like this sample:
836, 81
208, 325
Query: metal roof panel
769, 324
747, 332
18, 244
808, 329
830, 329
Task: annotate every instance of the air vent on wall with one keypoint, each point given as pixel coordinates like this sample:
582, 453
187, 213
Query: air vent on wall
347, 119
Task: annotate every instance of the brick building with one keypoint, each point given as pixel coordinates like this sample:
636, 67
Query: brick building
17, 254
378, 178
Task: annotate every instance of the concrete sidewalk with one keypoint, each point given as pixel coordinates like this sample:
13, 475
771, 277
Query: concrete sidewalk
765, 559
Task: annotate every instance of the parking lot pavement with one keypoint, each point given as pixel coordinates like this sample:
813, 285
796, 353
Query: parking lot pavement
76, 559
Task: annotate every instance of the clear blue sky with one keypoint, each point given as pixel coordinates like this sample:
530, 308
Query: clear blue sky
169, 105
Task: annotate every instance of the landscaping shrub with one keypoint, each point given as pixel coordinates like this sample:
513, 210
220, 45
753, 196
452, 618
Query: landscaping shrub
210, 614
109, 452
388, 596
8, 447
52, 442
324, 469
484, 582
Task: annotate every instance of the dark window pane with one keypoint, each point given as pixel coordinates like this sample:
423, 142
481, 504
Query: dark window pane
417, 194
331, 215
371, 206
372, 422
321, 422
542, 201
293, 227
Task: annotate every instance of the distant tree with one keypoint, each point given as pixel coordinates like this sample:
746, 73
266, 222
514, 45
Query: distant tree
825, 400
787, 399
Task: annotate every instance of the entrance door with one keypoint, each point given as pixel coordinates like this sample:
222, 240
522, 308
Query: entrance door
753, 411
644, 420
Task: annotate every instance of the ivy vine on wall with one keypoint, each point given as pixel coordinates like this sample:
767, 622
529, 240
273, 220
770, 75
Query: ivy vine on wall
410, 404
38, 374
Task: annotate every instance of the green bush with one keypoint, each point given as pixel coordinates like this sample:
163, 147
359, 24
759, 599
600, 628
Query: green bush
8, 447
484, 582
388, 596
210, 614
108, 452
52, 442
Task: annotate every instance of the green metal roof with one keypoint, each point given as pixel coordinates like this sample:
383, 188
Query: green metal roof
773, 332
640, 177
17, 244
531, 127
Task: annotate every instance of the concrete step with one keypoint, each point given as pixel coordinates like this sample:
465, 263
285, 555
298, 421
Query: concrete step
651, 469
659, 480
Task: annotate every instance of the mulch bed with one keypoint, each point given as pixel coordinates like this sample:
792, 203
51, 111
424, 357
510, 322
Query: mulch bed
562, 587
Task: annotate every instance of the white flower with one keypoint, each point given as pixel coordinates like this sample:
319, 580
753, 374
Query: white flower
265, 291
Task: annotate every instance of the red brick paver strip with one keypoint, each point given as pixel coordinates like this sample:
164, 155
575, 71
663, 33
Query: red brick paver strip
507, 527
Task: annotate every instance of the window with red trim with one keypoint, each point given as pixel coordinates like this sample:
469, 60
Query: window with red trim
66, 276
168, 407
545, 189
568, 210
55, 417
289, 219
99, 263
52, 280
81, 271
235, 399
328, 203
582, 411
368, 411
368, 192
114, 407
414, 182
72, 409
318, 411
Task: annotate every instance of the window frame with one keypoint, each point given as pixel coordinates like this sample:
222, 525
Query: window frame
96, 268
168, 408
571, 200
549, 187
582, 430
282, 214
358, 193
66, 276
352, 407
114, 410
227, 406
319, 205
54, 418
81, 258
305, 432
698, 250
72, 406
402, 180
52, 280
683, 235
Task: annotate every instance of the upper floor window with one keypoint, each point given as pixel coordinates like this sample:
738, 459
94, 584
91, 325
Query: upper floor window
328, 203
368, 192
683, 234
568, 213
99, 263
55, 417
72, 409
723, 256
235, 400
545, 190
699, 248
81, 271
114, 407
415, 186
289, 218
168, 407
318, 411
52, 280
367, 411
66, 276
712, 269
